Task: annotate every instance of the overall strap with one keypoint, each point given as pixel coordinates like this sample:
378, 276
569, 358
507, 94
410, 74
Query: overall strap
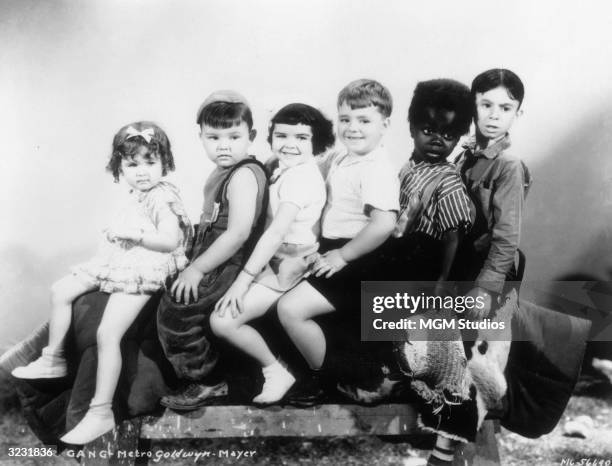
260, 222
205, 227
222, 191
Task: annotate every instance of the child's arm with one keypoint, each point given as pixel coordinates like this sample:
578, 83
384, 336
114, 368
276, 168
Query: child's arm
378, 229
453, 218
379, 186
450, 243
267, 245
507, 212
242, 191
166, 239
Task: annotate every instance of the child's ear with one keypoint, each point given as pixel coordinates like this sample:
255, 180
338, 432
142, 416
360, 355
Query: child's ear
387, 123
252, 134
412, 130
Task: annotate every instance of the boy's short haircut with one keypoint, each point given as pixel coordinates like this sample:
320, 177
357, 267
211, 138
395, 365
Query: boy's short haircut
445, 95
294, 114
496, 77
365, 92
225, 115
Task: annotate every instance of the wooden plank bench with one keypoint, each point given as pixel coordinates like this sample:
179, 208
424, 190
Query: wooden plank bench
130, 443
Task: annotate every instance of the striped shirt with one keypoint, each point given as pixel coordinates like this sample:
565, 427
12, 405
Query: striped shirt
449, 206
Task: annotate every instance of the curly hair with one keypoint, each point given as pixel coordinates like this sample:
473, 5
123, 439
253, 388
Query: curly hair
295, 114
365, 92
442, 94
131, 138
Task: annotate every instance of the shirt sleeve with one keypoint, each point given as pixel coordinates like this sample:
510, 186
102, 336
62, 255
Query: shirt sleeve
325, 161
159, 205
507, 212
165, 203
453, 212
380, 187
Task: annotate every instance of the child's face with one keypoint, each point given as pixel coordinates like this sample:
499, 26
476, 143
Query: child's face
227, 146
292, 144
495, 113
142, 172
361, 129
435, 137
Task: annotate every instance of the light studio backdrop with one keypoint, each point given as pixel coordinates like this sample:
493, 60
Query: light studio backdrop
72, 72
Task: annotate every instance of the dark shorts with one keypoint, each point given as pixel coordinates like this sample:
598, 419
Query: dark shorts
413, 257
343, 289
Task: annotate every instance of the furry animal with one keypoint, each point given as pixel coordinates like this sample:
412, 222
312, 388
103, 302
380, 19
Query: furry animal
445, 371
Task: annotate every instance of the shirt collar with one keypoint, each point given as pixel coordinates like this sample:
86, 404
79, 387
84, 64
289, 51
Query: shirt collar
378, 152
490, 152
414, 162
163, 186
282, 168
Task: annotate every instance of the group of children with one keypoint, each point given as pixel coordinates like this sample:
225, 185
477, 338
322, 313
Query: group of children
299, 234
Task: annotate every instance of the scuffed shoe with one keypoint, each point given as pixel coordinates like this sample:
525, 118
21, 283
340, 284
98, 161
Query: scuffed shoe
49, 365
278, 381
194, 396
98, 420
308, 392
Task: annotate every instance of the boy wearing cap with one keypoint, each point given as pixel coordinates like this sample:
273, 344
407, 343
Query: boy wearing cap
233, 216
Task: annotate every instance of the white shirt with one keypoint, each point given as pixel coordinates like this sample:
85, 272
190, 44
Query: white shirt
355, 185
303, 186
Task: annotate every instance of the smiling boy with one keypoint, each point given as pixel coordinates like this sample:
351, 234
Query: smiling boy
361, 210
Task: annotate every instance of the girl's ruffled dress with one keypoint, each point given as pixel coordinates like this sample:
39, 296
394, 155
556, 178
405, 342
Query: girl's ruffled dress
124, 266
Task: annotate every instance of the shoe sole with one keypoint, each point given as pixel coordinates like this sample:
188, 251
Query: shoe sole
305, 404
39, 377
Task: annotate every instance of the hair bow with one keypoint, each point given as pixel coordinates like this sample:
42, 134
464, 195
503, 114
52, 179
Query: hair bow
145, 134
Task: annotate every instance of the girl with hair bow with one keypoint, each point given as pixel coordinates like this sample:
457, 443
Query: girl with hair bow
144, 246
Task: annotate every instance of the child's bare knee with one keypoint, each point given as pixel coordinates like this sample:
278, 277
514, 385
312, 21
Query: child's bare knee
289, 307
287, 315
222, 326
60, 294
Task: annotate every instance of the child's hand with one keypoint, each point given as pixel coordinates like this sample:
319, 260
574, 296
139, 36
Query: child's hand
400, 225
120, 233
233, 297
186, 285
329, 263
480, 295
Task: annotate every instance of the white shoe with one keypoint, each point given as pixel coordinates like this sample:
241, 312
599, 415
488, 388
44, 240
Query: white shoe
48, 366
278, 381
98, 420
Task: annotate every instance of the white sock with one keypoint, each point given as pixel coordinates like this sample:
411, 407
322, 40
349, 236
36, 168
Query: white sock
98, 420
278, 381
